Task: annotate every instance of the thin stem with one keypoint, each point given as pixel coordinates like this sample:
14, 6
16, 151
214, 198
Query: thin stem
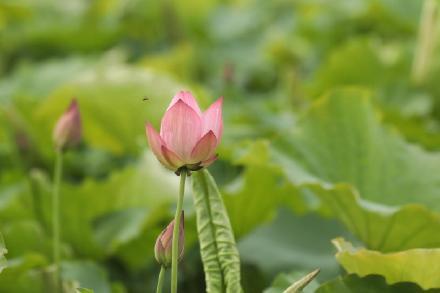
56, 217
175, 249
426, 40
160, 279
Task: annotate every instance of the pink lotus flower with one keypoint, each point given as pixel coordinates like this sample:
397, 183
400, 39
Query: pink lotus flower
188, 138
164, 243
67, 131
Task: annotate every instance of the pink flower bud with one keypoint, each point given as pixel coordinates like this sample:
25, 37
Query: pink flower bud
164, 243
67, 132
188, 138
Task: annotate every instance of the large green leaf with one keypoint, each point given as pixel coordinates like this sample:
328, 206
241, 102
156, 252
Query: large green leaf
380, 227
369, 71
369, 284
217, 243
379, 69
341, 139
420, 266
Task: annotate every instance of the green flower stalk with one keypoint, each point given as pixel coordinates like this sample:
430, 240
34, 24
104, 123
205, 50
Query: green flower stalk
67, 133
176, 240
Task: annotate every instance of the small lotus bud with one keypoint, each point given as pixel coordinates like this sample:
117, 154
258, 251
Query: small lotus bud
164, 243
67, 132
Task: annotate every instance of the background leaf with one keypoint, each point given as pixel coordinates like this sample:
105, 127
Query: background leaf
372, 283
379, 226
341, 140
416, 265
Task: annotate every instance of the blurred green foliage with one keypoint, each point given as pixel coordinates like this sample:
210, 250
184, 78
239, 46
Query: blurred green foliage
326, 134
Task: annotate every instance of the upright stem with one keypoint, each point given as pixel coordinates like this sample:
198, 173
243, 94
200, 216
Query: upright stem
56, 217
426, 40
160, 280
175, 249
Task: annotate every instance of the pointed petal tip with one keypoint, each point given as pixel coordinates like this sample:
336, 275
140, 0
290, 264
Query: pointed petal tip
212, 135
187, 98
149, 130
179, 103
212, 118
148, 125
218, 103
